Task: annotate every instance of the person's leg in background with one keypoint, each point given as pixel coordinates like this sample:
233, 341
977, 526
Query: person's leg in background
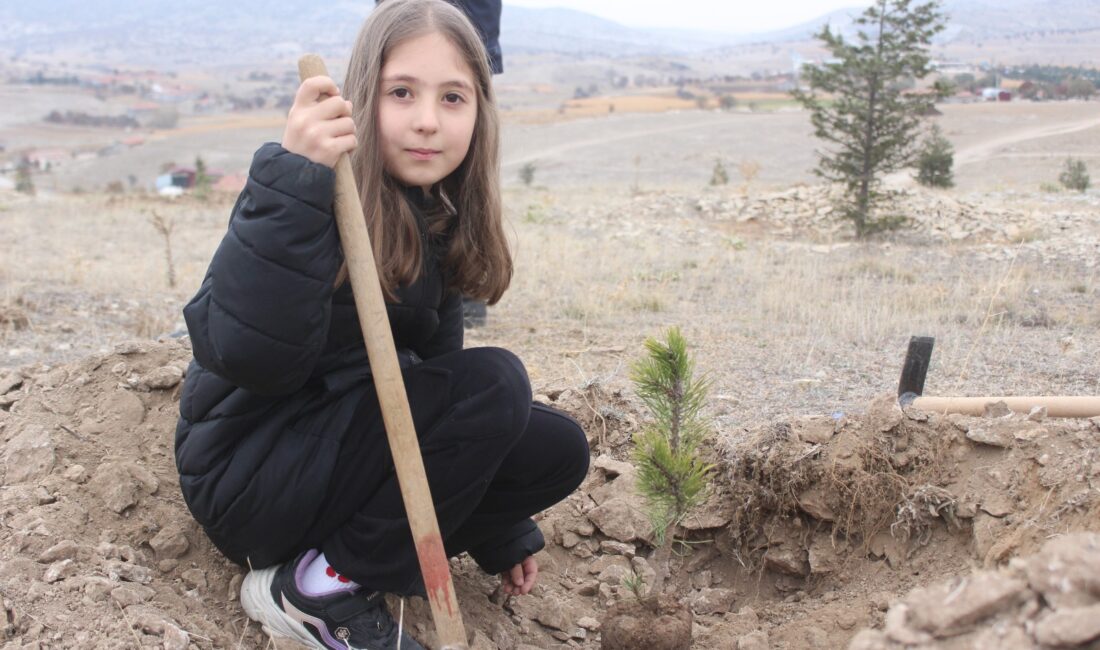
485, 15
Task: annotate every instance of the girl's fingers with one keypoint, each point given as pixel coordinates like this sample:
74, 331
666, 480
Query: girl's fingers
331, 108
336, 128
517, 576
315, 88
520, 579
531, 570
344, 144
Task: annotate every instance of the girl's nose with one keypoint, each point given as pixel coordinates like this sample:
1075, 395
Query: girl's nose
426, 119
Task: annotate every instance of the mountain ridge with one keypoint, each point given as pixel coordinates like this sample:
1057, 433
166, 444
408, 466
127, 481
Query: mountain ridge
203, 31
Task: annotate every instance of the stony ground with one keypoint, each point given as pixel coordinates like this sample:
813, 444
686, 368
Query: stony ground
817, 527
835, 518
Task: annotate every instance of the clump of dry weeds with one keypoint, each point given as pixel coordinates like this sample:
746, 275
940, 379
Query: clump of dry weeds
859, 481
768, 469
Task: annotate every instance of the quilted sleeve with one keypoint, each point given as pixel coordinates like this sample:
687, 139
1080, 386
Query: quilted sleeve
261, 316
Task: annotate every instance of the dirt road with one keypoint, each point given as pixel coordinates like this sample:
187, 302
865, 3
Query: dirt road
989, 149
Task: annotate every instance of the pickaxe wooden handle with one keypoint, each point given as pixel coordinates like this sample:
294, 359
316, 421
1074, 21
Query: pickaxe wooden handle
1057, 406
911, 389
355, 241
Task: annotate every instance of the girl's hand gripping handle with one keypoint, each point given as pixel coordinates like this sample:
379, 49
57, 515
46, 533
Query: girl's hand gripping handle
319, 125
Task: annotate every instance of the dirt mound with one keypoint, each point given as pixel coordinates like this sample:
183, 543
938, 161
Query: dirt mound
816, 525
98, 547
820, 504
888, 481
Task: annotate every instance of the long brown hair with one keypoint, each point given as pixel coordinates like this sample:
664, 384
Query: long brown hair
477, 262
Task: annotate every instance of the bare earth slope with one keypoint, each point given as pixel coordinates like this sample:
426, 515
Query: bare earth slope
816, 525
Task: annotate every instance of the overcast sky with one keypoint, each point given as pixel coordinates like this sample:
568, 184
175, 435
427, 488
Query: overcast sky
717, 15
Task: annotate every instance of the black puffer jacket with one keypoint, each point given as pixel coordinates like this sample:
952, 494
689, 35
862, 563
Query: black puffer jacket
279, 358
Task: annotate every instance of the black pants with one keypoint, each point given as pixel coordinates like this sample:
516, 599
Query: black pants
492, 458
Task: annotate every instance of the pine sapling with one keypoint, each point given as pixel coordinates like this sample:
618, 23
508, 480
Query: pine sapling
527, 173
1075, 175
203, 181
23, 181
935, 160
671, 475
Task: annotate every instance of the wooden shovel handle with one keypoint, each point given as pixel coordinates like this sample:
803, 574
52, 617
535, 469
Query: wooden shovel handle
386, 371
1057, 406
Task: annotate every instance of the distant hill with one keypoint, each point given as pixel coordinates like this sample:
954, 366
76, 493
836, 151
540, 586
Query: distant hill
567, 31
573, 32
986, 19
160, 33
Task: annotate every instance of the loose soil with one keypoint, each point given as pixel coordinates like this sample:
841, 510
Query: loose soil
816, 525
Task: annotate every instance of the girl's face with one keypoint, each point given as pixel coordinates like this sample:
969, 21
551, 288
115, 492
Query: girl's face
427, 110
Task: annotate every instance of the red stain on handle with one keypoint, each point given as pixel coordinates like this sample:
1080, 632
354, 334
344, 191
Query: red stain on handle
436, 571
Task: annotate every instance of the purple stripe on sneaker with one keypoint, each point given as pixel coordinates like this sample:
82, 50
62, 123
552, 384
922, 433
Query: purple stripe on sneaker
314, 622
303, 564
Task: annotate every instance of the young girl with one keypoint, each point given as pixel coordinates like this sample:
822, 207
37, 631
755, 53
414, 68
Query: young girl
280, 447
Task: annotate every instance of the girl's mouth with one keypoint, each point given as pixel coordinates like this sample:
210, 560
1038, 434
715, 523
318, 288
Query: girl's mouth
423, 154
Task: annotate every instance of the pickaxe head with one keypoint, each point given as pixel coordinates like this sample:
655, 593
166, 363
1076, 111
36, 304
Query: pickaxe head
915, 369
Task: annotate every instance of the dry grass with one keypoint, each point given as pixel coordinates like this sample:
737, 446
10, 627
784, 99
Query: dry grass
88, 271
790, 325
629, 103
107, 245
659, 101
599, 106
592, 107
217, 123
783, 325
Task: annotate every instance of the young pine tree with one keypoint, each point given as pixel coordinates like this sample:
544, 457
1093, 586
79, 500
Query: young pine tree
1075, 175
671, 476
935, 160
858, 107
23, 181
527, 173
203, 182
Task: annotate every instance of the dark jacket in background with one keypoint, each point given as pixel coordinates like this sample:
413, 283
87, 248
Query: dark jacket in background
485, 15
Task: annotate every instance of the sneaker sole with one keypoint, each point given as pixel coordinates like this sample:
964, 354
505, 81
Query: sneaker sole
259, 606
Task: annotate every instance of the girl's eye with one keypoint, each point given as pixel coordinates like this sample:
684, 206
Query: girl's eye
400, 93
453, 98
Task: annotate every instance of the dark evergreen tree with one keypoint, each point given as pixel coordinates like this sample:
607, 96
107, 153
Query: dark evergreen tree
23, 181
1075, 175
935, 160
203, 182
858, 107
